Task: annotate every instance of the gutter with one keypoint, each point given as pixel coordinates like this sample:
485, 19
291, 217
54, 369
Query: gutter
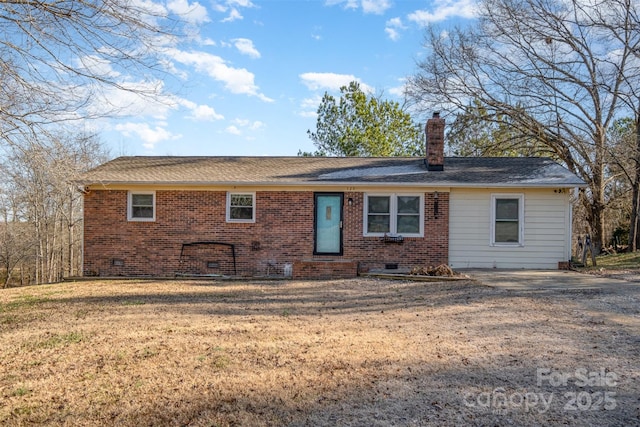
180, 184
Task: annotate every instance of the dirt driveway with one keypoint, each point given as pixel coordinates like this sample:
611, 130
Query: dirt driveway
360, 352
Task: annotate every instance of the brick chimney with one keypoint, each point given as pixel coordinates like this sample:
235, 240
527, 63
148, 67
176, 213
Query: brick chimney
435, 143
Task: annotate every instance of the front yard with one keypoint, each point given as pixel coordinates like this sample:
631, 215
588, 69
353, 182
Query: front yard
349, 352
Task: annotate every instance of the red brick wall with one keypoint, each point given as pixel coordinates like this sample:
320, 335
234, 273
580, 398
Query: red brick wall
319, 269
282, 233
434, 131
374, 253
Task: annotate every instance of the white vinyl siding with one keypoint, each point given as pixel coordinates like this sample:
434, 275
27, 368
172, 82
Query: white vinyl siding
546, 230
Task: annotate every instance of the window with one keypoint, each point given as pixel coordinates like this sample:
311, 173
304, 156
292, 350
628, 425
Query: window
394, 214
241, 207
141, 206
507, 213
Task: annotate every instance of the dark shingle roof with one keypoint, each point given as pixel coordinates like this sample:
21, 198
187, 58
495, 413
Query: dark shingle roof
458, 171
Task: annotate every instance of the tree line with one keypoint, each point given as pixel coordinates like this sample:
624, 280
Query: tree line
41, 207
62, 62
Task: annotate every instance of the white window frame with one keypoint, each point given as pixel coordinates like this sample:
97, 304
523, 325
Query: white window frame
492, 225
130, 216
253, 206
393, 211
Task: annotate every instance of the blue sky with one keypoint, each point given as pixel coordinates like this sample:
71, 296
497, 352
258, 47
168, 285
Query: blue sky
251, 77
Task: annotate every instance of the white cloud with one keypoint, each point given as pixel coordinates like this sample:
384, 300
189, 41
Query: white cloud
241, 3
151, 10
377, 7
149, 6
201, 113
445, 10
241, 126
235, 80
234, 15
138, 99
311, 102
309, 106
308, 114
316, 34
395, 22
399, 91
205, 113
193, 13
331, 81
171, 68
97, 66
392, 28
232, 8
233, 130
150, 136
246, 47
217, 7
248, 124
348, 4
392, 33
123, 103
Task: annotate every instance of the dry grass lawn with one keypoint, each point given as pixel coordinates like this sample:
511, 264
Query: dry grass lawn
360, 352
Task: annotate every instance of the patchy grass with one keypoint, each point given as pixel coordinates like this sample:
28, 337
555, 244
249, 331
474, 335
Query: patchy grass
23, 302
133, 302
625, 266
624, 261
58, 340
345, 352
21, 391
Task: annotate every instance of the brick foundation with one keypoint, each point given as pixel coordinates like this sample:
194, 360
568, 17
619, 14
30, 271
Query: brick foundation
319, 269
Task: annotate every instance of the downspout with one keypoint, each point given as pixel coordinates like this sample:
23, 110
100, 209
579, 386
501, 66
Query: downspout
84, 191
570, 233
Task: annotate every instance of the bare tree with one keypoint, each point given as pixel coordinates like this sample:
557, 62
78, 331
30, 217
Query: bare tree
623, 166
62, 61
558, 71
634, 227
60, 57
15, 239
45, 202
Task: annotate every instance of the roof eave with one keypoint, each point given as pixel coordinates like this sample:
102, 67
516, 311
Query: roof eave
332, 184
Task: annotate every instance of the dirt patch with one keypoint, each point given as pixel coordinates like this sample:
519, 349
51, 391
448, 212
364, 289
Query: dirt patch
629, 275
346, 352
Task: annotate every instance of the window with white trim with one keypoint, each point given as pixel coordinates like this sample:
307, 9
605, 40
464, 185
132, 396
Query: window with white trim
141, 206
507, 219
394, 214
241, 207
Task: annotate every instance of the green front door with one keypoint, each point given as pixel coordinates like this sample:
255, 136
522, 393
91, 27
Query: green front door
328, 223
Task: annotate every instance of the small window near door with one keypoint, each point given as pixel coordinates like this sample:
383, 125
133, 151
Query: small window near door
394, 214
241, 207
378, 214
141, 206
507, 217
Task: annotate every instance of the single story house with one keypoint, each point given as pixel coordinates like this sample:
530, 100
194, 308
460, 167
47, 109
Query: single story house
320, 217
